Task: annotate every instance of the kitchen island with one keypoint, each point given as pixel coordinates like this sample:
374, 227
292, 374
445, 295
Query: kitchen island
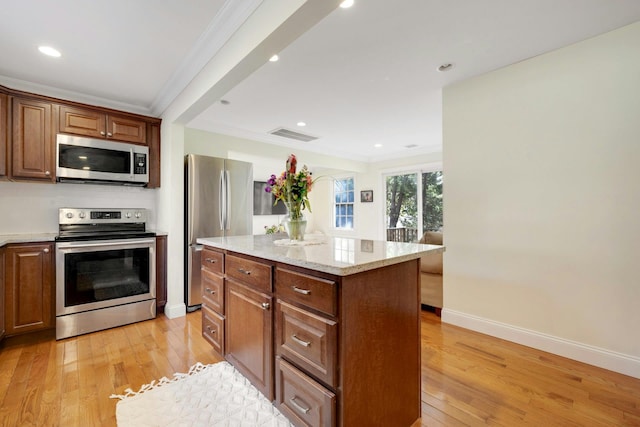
328, 330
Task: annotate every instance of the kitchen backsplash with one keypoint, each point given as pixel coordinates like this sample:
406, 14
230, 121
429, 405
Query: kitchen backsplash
33, 208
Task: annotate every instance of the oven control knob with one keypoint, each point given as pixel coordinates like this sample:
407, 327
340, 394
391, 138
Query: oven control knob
69, 215
128, 215
82, 215
138, 215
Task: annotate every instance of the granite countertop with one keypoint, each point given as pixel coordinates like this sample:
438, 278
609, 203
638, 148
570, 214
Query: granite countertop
6, 239
341, 256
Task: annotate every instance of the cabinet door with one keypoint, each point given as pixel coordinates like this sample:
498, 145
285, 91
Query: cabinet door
80, 121
153, 130
2, 327
33, 142
127, 129
29, 288
249, 335
4, 132
161, 273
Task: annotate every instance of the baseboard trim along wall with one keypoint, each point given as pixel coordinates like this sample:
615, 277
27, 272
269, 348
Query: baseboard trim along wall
617, 362
175, 310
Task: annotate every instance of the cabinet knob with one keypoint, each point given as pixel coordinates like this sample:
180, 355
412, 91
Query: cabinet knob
102, 133
265, 305
47, 173
45, 250
210, 260
243, 271
109, 134
210, 291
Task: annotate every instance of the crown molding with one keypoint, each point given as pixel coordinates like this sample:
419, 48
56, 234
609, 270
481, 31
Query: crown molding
226, 22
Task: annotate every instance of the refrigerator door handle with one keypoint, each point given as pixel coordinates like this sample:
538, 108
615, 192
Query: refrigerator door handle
221, 201
227, 195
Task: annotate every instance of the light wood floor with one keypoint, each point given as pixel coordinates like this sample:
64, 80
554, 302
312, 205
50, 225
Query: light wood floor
467, 378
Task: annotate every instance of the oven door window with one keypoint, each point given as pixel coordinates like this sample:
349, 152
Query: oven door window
105, 275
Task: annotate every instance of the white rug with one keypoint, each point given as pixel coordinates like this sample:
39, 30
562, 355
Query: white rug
208, 395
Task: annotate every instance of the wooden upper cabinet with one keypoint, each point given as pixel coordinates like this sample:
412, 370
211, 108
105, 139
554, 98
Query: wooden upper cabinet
97, 124
4, 134
153, 134
33, 149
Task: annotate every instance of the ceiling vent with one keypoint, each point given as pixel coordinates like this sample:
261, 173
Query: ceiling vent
411, 146
288, 133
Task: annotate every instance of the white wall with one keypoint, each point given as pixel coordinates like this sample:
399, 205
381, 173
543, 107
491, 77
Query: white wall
541, 204
27, 207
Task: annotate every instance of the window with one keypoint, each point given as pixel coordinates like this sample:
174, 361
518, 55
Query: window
413, 205
343, 196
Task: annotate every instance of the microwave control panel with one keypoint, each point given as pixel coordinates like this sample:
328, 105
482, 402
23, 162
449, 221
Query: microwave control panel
140, 163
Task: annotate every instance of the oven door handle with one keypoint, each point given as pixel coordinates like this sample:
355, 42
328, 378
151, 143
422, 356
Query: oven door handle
103, 243
221, 200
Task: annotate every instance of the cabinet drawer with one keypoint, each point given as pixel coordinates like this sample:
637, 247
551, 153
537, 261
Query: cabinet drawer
213, 291
308, 340
213, 329
313, 292
249, 272
213, 261
301, 399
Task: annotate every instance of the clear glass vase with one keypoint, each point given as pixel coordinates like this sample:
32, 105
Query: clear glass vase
295, 227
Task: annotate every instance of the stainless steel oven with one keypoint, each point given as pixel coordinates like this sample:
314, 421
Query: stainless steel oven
105, 270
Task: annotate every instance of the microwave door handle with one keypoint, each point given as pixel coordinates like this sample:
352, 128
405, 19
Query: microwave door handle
131, 166
221, 207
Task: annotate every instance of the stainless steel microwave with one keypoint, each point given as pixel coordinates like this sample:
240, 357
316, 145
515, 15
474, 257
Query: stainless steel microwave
81, 159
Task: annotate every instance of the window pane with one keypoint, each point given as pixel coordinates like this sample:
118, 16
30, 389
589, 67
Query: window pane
350, 197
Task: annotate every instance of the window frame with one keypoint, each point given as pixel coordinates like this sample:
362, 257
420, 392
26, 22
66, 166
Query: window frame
335, 204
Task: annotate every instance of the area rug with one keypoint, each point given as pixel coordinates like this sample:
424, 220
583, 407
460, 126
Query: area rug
207, 395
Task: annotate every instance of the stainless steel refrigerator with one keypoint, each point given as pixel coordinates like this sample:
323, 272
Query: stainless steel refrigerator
218, 202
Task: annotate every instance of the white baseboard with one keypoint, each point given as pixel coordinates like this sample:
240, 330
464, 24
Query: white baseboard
175, 310
617, 362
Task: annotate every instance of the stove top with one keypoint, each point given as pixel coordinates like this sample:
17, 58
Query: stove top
101, 224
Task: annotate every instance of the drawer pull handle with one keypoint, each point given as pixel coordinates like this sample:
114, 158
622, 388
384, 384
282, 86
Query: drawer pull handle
301, 342
243, 271
298, 406
211, 260
210, 291
265, 305
211, 331
301, 291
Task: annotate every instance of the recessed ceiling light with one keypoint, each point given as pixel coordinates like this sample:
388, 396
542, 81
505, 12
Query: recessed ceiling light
346, 4
301, 124
274, 58
445, 67
48, 50
378, 145
225, 102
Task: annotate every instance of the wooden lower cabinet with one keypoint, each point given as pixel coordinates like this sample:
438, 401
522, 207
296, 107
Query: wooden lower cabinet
341, 350
213, 329
29, 283
302, 399
249, 334
2, 323
161, 273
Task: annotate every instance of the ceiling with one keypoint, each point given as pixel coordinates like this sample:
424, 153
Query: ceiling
363, 76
